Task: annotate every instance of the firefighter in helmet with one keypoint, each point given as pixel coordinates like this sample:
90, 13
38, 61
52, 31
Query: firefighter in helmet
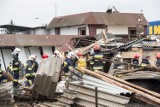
81, 60
16, 66
135, 60
117, 64
30, 71
145, 61
97, 59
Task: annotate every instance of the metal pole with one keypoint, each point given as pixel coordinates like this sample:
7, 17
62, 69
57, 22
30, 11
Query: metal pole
96, 97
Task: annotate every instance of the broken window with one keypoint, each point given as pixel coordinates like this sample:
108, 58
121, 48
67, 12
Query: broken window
82, 31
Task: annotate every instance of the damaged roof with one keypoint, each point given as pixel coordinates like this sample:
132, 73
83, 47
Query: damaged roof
35, 40
98, 18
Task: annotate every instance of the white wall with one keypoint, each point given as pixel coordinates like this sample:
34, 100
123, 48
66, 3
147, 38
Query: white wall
99, 31
119, 29
47, 50
41, 31
52, 31
70, 30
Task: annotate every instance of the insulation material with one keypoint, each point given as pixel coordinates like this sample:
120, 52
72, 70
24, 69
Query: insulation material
47, 50
7, 56
22, 55
35, 51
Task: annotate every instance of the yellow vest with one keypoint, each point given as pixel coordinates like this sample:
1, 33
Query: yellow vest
82, 63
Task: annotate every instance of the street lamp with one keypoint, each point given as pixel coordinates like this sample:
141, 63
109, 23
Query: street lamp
41, 20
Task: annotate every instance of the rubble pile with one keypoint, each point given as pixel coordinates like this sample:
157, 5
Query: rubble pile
6, 94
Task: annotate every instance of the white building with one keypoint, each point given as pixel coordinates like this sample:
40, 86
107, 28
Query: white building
91, 23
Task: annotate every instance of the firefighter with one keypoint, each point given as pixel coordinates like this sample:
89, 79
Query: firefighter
158, 60
15, 66
67, 64
73, 58
97, 59
3, 78
35, 63
56, 53
135, 60
30, 71
145, 61
117, 64
81, 60
9, 69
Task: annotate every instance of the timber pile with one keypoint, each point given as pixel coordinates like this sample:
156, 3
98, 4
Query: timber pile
6, 97
142, 94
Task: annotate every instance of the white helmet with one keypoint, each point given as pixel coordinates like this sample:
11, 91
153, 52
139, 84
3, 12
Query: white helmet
17, 50
118, 56
31, 57
56, 52
71, 54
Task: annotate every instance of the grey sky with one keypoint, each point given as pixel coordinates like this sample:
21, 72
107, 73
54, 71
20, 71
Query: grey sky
24, 12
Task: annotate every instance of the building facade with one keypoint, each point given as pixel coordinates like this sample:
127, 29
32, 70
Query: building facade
92, 23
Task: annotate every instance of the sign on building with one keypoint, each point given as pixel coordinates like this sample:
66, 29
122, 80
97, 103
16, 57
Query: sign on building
154, 28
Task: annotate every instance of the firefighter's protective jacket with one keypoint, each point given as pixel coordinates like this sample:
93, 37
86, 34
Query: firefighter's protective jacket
82, 63
97, 61
67, 64
29, 69
144, 62
3, 78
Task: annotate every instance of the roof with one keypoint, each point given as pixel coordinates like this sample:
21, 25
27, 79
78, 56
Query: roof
15, 27
35, 40
100, 18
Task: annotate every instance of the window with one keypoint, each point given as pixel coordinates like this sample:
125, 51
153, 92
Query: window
132, 31
57, 31
82, 31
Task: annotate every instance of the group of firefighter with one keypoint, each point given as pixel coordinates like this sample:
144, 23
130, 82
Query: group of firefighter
93, 61
15, 66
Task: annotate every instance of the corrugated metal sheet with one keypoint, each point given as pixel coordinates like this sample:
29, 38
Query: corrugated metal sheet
35, 40
98, 18
104, 86
48, 76
141, 75
108, 94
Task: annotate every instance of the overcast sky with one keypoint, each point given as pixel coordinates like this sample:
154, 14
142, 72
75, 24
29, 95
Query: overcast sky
24, 12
